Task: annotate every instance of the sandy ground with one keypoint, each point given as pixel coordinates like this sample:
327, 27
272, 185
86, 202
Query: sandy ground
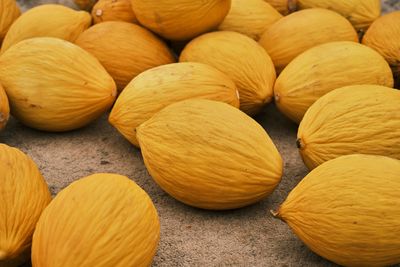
189, 237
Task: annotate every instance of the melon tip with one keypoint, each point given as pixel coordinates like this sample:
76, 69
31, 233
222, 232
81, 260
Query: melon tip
277, 97
300, 143
292, 5
3, 255
275, 214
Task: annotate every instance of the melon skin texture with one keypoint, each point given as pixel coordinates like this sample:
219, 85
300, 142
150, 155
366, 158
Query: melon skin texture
133, 49
85, 4
348, 210
361, 119
283, 6
47, 21
54, 85
180, 19
209, 155
101, 220
113, 10
324, 68
361, 13
23, 196
9, 12
384, 36
159, 87
4, 108
302, 30
242, 59
251, 17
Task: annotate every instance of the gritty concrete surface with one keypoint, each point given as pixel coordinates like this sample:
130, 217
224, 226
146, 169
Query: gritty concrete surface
189, 236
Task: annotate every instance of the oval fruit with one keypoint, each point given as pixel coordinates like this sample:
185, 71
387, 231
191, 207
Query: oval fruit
362, 119
222, 159
9, 12
101, 220
251, 17
348, 210
297, 32
242, 59
283, 6
4, 108
384, 36
138, 49
180, 19
324, 68
157, 88
54, 85
47, 21
113, 10
361, 13
24, 195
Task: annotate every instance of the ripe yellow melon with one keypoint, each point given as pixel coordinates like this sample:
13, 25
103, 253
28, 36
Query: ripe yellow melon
4, 108
283, 6
384, 36
209, 155
250, 17
54, 85
101, 220
23, 194
348, 210
133, 49
361, 119
180, 19
302, 30
47, 21
157, 88
324, 68
113, 10
9, 12
361, 13
242, 59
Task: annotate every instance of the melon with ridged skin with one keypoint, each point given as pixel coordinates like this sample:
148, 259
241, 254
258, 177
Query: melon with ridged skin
9, 12
113, 10
23, 196
4, 108
362, 119
348, 210
210, 155
101, 220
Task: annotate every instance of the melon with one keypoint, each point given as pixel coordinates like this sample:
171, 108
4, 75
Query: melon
4, 108
113, 10
9, 12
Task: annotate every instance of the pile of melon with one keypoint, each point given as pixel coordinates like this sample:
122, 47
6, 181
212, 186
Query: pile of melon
181, 81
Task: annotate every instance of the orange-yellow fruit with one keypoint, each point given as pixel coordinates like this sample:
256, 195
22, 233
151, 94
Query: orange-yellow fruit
23, 196
210, 155
113, 10
283, 6
4, 108
133, 49
348, 210
9, 12
47, 21
302, 30
85, 4
242, 59
180, 19
54, 85
250, 17
157, 88
101, 220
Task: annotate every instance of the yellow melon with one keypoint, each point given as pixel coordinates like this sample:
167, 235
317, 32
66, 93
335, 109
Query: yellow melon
47, 21
157, 88
4, 108
242, 59
9, 12
250, 17
180, 19
24, 194
300, 31
113, 10
137, 49
101, 220
54, 85
283, 6
384, 36
361, 13
348, 210
361, 119
210, 155
324, 68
